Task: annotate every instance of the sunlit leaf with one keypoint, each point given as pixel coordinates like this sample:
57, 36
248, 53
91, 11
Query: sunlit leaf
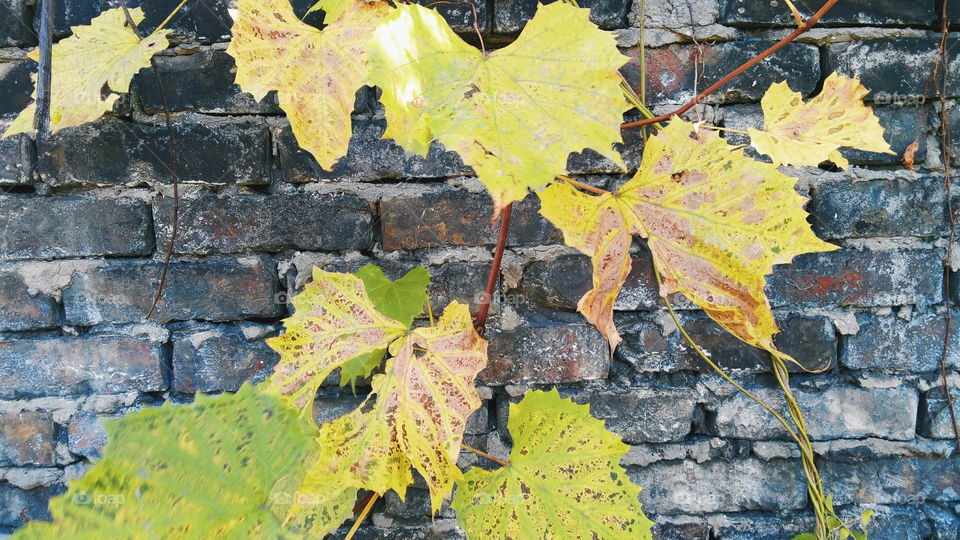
332, 9
563, 479
798, 133
515, 114
416, 414
89, 68
205, 470
316, 73
335, 322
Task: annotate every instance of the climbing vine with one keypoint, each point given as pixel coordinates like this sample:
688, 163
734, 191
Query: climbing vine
715, 221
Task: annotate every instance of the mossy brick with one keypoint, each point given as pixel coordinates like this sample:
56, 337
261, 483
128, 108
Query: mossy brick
115, 152
217, 358
61, 366
42, 228
642, 415
767, 13
892, 68
451, 217
895, 480
16, 29
510, 16
27, 438
213, 224
15, 85
22, 310
211, 289
889, 343
882, 207
547, 354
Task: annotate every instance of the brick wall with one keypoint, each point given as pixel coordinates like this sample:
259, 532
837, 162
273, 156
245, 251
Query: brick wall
85, 216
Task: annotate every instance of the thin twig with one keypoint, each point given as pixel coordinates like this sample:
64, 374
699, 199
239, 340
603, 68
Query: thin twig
41, 119
733, 74
483, 454
360, 518
171, 15
581, 185
476, 20
480, 322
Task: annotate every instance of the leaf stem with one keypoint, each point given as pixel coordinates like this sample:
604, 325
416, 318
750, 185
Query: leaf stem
171, 15
480, 322
581, 185
484, 454
360, 518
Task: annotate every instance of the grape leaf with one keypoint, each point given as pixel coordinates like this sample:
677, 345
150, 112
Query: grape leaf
89, 68
335, 322
332, 9
798, 133
563, 479
715, 222
421, 406
514, 114
204, 470
316, 73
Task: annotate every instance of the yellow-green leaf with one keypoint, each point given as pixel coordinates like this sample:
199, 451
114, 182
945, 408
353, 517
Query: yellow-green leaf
332, 9
515, 114
90, 67
205, 470
798, 133
335, 322
316, 73
416, 414
563, 479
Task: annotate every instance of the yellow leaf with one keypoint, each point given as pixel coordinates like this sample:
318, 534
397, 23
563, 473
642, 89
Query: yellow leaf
798, 133
715, 222
422, 404
316, 73
332, 9
335, 322
90, 67
515, 114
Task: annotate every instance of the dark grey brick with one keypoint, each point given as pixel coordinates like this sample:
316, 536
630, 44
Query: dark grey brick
215, 224
461, 17
204, 20
16, 28
510, 16
36, 227
893, 68
215, 358
758, 526
27, 438
115, 152
17, 159
546, 355
15, 85
859, 278
889, 343
214, 289
200, 82
893, 480
20, 310
879, 208
901, 127
935, 419
643, 415
16, 503
58, 366
86, 435
766, 13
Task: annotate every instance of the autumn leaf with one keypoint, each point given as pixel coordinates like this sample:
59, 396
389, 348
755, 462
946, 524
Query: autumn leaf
335, 322
514, 114
204, 470
909, 153
416, 413
563, 479
89, 68
798, 133
332, 9
316, 73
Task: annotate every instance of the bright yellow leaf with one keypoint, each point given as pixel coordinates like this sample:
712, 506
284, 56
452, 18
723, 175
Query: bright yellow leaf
102, 56
335, 322
798, 133
563, 480
421, 406
316, 73
515, 114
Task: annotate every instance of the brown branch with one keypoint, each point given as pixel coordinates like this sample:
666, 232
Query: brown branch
480, 322
735, 73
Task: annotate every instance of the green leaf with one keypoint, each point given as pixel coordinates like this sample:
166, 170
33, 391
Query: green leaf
865, 518
401, 300
805, 536
563, 480
204, 470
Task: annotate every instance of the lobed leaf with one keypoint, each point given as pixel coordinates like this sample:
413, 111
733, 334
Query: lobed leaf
316, 73
90, 67
514, 114
798, 133
563, 479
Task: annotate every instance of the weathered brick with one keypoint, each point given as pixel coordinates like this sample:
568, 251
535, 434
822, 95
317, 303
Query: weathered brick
214, 289
368, 158
200, 82
643, 415
15, 503
15, 85
57, 366
859, 278
834, 413
215, 358
20, 310
15, 24
688, 487
86, 435
39, 228
676, 72
892, 480
111, 152
766, 13
205, 21
462, 282
17, 159
546, 355
461, 17
452, 217
879, 208
935, 419
889, 343
27, 438
891, 68
215, 224
510, 16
